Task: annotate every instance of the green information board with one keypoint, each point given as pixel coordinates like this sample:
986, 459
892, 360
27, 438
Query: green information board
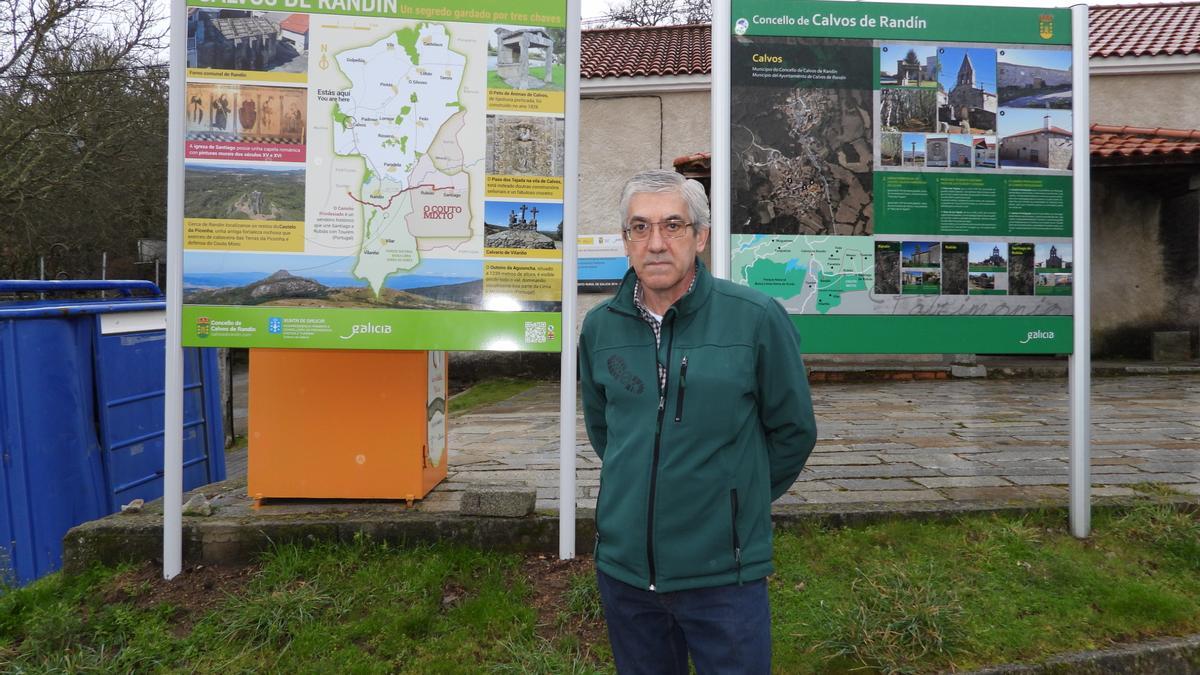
374, 174
901, 174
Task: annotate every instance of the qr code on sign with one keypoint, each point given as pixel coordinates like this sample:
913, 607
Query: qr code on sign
535, 332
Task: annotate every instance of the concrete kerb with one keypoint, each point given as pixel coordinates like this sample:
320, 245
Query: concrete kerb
238, 538
1172, 656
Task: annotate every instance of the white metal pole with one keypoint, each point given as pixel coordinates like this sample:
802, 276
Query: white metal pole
566, 404
719, 116
173, 391
1081, 355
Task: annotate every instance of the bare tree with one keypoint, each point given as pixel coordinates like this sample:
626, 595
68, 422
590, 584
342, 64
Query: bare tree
658, 12
82, 129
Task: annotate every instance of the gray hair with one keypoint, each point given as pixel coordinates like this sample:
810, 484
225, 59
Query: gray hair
663, 180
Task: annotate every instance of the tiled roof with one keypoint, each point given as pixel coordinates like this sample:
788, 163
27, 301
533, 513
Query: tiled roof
1145, 30
1116, 30
1119, 144
1054, 130
296, 23
655, 50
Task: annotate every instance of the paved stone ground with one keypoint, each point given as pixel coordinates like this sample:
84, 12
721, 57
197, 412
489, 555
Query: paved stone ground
888, 442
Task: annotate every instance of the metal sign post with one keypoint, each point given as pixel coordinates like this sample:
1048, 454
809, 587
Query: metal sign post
173, 392
1080, 361
570, 266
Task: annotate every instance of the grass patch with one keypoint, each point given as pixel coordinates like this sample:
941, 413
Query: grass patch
488, 392
896, 597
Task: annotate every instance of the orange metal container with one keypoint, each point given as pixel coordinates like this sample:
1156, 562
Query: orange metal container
346, 424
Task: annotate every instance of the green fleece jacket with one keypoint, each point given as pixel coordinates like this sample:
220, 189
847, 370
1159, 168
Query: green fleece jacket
689, 472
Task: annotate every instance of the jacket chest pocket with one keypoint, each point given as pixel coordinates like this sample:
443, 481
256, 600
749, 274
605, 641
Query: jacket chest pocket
709, 384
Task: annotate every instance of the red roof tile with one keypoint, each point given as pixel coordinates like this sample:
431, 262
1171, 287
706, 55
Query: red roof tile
1144, 30
655, 50
1116, 30
296, 23
1054, 130
1117, 144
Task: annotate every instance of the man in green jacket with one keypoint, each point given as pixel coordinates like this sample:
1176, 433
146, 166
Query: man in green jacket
696, 400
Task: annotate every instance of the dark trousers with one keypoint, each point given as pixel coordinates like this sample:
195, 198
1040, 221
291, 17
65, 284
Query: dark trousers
726, 629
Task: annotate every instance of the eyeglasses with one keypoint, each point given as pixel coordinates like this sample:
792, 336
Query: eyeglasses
672, 228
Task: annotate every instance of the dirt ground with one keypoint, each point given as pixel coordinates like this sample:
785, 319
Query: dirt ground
549, 578
197, 589
200, 588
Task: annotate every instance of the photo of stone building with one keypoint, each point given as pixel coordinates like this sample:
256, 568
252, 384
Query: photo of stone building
1034, 78
1049, 147
984, 148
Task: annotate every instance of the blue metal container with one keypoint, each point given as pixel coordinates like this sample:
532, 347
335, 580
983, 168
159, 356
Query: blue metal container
81, 414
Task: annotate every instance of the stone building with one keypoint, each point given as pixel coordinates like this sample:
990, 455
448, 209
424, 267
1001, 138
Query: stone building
1145, 113
1048, 148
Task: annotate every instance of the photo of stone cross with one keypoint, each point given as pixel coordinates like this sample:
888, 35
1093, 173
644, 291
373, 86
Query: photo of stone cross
512, 57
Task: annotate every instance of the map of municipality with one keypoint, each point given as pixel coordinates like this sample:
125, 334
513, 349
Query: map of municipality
809, 275
396, 115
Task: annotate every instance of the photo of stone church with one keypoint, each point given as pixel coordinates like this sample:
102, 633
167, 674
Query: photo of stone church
967, 90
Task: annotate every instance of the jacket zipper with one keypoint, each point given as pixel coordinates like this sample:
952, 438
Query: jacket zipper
737, 545
662, 407
682, 388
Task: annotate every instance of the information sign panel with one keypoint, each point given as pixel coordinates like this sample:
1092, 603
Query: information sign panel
374, 174
901, 175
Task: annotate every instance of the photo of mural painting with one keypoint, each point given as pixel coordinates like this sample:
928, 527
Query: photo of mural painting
246, 113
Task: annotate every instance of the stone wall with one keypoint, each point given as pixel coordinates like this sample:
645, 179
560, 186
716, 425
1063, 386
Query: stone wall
620, 135
1144, 258
1168, 100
